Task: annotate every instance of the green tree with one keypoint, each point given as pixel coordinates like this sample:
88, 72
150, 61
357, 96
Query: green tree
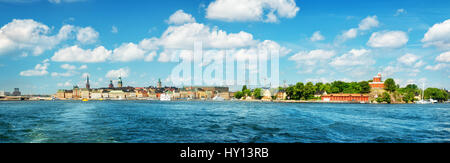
239, 95
386, 97
257, 93
389, 85
436, 94
309, 91
408, 97
244, 88
364, 87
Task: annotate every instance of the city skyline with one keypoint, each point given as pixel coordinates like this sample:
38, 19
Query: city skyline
51, 45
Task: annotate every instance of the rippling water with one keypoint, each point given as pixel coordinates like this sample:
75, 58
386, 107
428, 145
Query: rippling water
221, 122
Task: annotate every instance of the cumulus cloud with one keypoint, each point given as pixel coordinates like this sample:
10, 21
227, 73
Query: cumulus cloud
122, 72
437, 67
251, 10
366, 24
27, 35
438, 35
308, 61
77, 54
183, 37
317, 36
39, 70
388, 39
408, 59
311, 57
444, 57
87, 35
369, 23
128, 52
180, 17
354, 57
68, 67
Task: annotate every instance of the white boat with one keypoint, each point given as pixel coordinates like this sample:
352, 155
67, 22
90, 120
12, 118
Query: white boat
218, 98
422, 101
165, 97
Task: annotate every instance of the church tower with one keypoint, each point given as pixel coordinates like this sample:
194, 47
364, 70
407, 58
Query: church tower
111, 85
119, 83
88, 86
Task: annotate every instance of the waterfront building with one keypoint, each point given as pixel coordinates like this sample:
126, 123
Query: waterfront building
267, 95
16, 92
119, 83
97, 94
85, 93
281, 95
117, 94
76, 92
3, 93
345, 98
377, 83
68, 94
60, 94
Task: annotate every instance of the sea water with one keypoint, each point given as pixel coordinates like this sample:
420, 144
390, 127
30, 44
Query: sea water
220, 122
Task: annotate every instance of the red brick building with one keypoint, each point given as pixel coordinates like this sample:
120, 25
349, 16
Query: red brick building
377, 83
345, 98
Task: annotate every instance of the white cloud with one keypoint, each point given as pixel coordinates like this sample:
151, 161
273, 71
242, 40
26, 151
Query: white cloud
180, 17
87, 35
317, 36
114, 29
122, 72
65, 84
150, 56
76, 54
350, 34
83, 67
311, 57
444, 57
438, 35
408, 59
39, 70
354, 57
128, 52
251, 10
29, 35
437, 67
388, 39
400, 12
65, 74
368, 23
68, 67
149, 44
183, 37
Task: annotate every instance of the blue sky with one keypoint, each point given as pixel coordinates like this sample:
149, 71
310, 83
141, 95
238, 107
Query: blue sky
354, 40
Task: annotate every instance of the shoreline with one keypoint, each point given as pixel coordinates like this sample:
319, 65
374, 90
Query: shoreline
199, 100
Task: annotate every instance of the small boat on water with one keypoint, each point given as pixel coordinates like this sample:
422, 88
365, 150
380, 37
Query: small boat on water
165, 97
218, 98
422, 101
85, 100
